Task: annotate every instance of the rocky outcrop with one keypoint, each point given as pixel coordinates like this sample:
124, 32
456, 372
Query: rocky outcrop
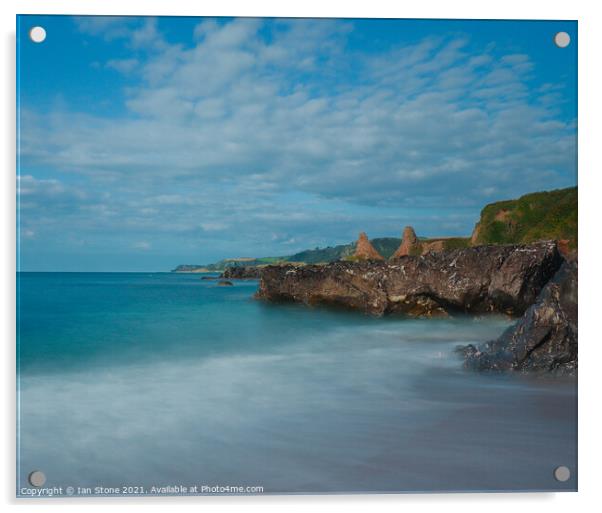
241, 273
436, 245
544, 339
365, 250
409, 243
412, 246
225, 283
480, 279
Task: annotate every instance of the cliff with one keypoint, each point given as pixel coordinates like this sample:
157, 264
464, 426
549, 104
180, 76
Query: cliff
542, 215
480, 279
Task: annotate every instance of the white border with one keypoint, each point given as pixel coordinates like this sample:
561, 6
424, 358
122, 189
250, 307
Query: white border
590, 85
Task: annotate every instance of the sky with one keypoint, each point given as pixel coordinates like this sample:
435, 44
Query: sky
144, 143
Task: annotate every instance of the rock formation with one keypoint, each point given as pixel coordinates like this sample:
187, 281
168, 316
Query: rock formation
365, 250
544, 339
436, 245
225, 283
240, 272
409, 243
479, 279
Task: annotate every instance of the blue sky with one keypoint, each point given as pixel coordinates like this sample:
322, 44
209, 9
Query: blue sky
149, 142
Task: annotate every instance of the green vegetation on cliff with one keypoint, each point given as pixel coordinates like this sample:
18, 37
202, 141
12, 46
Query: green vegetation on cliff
456, 243
538, 216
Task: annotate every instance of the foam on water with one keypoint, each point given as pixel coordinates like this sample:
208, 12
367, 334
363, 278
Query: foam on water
236, 392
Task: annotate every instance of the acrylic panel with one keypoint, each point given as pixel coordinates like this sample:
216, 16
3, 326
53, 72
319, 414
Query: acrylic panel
273, 256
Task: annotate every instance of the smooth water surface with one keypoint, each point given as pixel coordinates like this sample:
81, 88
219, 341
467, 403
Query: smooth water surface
165, 379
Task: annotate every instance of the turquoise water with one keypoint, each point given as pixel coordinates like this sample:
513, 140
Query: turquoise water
165, 379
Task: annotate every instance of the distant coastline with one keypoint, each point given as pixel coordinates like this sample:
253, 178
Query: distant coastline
547, 215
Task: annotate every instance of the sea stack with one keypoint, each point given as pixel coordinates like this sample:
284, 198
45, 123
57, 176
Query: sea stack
409, 242
365, 250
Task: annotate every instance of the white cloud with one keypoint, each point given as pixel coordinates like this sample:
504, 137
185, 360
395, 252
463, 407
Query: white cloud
216, 133
123, 65
108, 27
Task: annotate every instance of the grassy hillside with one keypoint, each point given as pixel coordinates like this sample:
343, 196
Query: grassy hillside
386, 246
456, 243
537, 216
319, 255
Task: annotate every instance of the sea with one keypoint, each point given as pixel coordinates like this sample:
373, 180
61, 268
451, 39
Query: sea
160, 383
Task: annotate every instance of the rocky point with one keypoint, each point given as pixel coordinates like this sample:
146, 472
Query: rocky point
480, 279
544, 338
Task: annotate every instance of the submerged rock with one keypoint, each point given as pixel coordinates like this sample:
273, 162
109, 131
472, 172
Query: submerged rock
479, 279
544, 339
225, 283
241, 272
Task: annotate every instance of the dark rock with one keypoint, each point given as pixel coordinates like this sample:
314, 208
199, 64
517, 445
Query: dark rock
225, 283
478, 279
241, 273
544, 339
209, 277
